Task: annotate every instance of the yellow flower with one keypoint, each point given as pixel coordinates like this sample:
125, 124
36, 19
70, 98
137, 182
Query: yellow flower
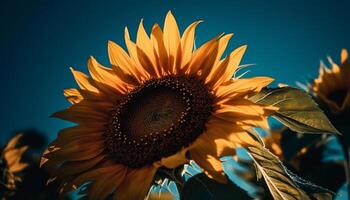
10, 163
333, 85
273, 142
158, 105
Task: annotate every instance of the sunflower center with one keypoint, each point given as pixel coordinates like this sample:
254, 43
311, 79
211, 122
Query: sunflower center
154, 111
338, 96
157, 119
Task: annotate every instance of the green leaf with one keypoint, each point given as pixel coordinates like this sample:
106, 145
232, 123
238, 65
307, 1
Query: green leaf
297, 110
280, 183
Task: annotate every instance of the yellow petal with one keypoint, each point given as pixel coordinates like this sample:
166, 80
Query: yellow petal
73, 95
106, 184
13, 142
240, 87
84, 81
227, 67
187, 43
228, 136
146, 63
106, 76
72, 168
79, 132
145, 43
96, 174
246, 116
13, 156
76, 151
171, 36
18, 167
344, 56
223, 42
132, 49
245, 107
86, 112
162, 55
218, 141
201, 55
211, 165
175, 160
205, 65
77, 95
118, 57
136, 184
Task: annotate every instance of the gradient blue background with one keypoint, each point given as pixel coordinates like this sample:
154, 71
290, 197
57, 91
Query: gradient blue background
40, 40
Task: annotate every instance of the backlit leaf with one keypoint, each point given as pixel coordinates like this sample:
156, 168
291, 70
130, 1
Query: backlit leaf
283, 185
297, 110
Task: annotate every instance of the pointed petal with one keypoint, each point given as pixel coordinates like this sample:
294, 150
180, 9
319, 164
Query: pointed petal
145, 44
136, 184
223, 42
211, 165
344, 56
71, 133
240, 87
72, 168
226, 69
18, 167
86, 112
13, 142
106, 76
13, 156
84, 81
157, 39
95, 175
206, 53
187, 42
171, 36
106, 184
75, 96
132, 49
228, 136
76, 151
146, 63
118, 57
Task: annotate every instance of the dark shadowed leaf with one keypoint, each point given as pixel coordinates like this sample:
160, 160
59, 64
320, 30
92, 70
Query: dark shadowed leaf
200, 187
314, 191
297, 110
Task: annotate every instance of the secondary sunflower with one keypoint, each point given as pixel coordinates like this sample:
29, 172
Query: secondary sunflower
10, 163
160, 104
333, 85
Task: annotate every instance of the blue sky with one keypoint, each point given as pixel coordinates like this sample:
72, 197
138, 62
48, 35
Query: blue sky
40, 40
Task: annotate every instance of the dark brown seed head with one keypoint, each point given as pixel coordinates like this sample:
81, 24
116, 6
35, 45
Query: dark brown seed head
157, 120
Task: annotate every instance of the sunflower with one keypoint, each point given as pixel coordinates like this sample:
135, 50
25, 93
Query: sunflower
273, 142
158, 105
333, 85
10, 163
